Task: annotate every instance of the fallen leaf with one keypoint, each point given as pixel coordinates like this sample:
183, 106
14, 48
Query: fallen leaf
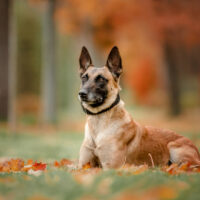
30, 162
65, 162
13, 165
133, 169
87, 166
16, 165
39, 166
56, 164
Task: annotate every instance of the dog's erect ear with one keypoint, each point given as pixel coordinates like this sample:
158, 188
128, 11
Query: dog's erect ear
114, 63
84, 60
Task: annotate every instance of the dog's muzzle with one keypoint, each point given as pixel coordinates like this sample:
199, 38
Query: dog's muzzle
83, 95
90, 98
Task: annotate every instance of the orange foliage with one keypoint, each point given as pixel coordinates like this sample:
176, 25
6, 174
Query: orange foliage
30, 162
87, 166
18, 165
39, 166
139, 28
65, 162
175, 169
143, 79
56, 164
111, 17
13, 165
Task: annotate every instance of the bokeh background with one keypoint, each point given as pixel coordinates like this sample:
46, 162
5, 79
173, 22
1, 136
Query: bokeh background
40, 43
40, 115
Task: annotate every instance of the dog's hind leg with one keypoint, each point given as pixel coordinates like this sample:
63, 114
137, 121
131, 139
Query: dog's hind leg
182, 151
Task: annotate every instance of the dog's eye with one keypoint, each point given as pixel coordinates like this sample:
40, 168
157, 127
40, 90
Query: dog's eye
100, 79
84, 78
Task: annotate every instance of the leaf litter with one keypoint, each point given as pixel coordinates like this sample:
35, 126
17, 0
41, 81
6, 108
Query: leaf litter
86, 175
19, 165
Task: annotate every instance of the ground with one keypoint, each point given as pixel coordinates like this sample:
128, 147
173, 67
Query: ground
64, 183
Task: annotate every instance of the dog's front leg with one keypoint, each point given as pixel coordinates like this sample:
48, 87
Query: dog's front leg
86, 155
87, 150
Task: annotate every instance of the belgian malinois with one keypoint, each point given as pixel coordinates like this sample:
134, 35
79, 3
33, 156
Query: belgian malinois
112, 137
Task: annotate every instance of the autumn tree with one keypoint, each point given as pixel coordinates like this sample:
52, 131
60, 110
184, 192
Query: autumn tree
158, 39
153, 32
179, 32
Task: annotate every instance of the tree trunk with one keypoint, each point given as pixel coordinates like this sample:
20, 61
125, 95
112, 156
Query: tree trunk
173, 79
12, 66
49, 68
4, 19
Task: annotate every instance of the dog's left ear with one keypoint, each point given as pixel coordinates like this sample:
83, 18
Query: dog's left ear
114, 63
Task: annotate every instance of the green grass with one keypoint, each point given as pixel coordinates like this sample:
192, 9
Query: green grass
61, 184
44, 147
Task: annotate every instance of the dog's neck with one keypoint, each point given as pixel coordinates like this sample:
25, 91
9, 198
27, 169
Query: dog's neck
106, 122
115, 113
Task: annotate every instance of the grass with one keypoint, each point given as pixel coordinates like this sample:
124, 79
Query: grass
60, 184
44, 147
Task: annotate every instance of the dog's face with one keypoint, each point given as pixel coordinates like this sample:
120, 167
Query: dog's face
100, 85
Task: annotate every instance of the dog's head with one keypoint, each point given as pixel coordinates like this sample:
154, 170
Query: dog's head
100, 85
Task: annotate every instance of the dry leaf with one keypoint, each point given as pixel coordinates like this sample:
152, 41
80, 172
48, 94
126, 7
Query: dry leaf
65, 162
87, 166
39, 166
56, 164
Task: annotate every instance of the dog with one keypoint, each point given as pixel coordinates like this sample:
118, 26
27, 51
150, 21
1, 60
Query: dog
112, 138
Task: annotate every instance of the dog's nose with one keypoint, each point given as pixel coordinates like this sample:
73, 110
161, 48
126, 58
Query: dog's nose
83, 94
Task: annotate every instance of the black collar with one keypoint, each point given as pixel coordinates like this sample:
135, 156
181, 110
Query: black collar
104, 110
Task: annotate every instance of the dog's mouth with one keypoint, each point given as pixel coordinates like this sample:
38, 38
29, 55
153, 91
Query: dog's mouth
97, 102
93, 101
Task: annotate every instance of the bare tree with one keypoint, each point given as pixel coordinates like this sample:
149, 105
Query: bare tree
4, 30
49, 68
173, 78
12, 66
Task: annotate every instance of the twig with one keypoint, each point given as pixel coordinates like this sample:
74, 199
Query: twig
151, 160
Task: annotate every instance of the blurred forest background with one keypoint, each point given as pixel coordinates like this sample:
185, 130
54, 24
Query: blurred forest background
40, 43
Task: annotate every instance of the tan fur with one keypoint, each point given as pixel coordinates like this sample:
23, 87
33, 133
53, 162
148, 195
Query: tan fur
113, 138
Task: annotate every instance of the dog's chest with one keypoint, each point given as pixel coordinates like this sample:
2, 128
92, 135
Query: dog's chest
101, 130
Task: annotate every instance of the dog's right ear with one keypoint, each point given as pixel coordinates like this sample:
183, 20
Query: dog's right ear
85, 60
